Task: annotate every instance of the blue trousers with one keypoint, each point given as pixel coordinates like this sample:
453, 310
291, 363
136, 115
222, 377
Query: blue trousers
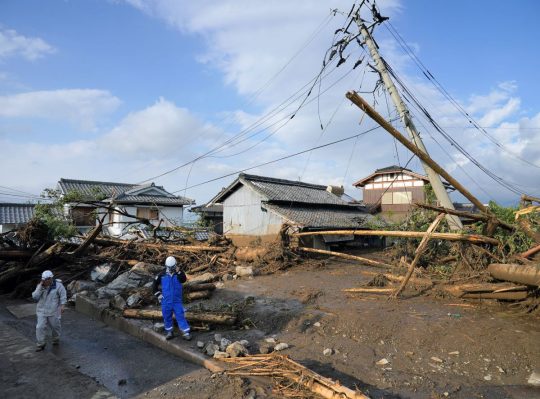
167, 310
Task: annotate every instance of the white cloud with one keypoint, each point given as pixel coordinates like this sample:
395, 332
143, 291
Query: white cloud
83, 107
162, 128
13, 44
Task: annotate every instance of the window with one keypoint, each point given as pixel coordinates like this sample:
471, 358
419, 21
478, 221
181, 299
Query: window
402, 197
386, 198
148, 213
83, 216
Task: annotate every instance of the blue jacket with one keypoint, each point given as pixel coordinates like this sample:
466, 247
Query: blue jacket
170, 286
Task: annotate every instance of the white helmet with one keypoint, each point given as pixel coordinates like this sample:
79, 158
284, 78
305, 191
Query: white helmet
46, 274
170, 262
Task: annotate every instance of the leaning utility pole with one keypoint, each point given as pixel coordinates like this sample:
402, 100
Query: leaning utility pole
440, 192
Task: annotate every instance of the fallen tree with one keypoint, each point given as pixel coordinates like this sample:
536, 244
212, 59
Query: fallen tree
522, 274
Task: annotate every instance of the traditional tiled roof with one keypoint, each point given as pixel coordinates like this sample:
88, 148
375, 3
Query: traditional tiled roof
123, 193
282, 190
304, 204
11, 213
208, 208
323, 217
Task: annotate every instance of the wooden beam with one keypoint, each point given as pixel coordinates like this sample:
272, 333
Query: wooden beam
522, 274
346, 256
530, 252
364, 106
204, 317
164, 246
474, 238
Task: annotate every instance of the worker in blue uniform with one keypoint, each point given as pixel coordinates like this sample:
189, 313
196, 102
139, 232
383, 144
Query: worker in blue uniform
167, 288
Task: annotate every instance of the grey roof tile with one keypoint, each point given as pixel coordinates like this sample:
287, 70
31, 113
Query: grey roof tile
11, 213
121, 192
323, 217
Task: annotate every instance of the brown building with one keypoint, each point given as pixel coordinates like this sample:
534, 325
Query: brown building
393, 190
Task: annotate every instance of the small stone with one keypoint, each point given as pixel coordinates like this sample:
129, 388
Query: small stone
227, 277
281, 346
200, 344
245, 343
264, 349
133, 300
317, 324
446, 394
382, 362
219, 285
244, 271
236, 349
409, 353
487, 377
270, 340
328, 352
118, 303
454, 353
217, 337
210, 349
158, 327
221, 355
436, 359
224, 343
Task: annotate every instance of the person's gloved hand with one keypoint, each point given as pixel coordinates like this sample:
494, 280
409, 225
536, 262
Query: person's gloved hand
159, 296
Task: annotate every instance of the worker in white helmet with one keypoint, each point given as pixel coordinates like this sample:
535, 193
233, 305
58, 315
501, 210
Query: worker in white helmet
168, 287
51, 297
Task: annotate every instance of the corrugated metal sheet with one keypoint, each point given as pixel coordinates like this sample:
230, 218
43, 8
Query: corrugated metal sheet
15, 213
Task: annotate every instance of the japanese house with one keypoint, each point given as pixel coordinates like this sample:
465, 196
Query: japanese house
14, 215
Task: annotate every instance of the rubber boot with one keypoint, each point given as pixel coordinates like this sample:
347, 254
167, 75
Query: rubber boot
186, 336
169, 335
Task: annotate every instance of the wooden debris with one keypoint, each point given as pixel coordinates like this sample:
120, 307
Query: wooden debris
522, 274
290, 378
165, 247
419, 251
502, 291
530, 252
369, 290
193, 296
191, 316
15, 254
474, 238
360, 259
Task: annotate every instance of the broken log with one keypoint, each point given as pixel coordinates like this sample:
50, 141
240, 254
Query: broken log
193, 296
199, 287
508, 296
530, 252
88, 240
206, 317
45, 255
418, 253
360, 259
474, 238
522, 274
15, 254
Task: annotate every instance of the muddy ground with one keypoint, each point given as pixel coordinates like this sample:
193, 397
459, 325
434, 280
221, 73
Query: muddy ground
434, 347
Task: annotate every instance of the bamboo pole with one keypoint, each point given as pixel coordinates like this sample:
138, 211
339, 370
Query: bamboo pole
419, 251
346, 256
364, 106
474, 238
206, 317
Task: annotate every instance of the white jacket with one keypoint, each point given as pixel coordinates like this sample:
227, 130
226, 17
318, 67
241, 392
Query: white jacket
50, 298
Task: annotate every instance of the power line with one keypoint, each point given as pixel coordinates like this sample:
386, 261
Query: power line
279, 159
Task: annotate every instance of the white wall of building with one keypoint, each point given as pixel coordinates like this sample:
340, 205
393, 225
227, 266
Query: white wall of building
118, 226
243, 215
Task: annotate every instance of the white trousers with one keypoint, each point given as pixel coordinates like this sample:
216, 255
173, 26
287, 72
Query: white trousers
44, 324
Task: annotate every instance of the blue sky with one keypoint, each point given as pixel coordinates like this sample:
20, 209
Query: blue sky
124, 90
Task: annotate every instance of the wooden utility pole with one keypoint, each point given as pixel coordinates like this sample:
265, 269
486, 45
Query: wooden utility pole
368, 109
440, 192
